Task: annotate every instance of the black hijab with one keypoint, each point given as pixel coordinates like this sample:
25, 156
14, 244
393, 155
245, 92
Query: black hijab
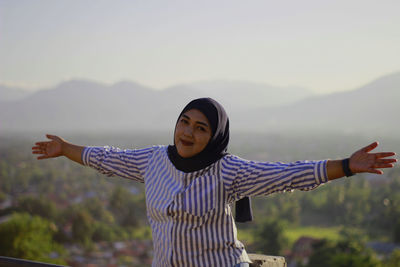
215, 149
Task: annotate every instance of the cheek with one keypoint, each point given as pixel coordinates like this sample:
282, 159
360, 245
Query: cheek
203, 140
177, 133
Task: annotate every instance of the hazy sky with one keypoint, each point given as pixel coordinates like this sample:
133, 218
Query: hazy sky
322, 45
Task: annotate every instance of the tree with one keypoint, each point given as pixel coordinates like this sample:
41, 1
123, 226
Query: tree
350, 251
38, 206
82, 227
354, 260
394, 259
269, 237
27, 237
396, 236
123, 205
97, 210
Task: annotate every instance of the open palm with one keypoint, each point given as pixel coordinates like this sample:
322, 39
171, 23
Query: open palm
48, 149
363, 161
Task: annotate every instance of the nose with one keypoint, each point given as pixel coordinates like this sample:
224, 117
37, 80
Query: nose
188, 131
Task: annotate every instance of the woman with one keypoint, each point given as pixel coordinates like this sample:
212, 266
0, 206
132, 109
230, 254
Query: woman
190, 185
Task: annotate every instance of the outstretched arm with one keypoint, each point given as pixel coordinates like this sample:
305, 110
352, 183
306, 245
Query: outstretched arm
362, 161
56, 147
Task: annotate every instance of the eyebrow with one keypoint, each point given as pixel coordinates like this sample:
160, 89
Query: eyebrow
199, 122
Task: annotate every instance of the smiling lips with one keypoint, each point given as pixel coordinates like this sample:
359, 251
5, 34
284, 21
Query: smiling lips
186, 143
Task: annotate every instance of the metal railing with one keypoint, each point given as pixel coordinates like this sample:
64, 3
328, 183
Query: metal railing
258, 261
12, 262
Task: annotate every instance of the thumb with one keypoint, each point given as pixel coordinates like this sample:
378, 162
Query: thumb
52, 137
370, 147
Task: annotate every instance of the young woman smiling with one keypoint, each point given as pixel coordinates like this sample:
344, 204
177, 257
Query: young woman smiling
191, 184
192, 133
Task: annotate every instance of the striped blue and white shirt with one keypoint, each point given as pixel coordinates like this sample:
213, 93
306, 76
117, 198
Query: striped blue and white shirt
189, 213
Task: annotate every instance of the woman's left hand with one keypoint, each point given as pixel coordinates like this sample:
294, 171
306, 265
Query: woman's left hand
364, 161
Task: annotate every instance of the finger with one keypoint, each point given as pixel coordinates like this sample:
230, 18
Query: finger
41, 143
36, 149
386, 160
376, 171
37, 152
385, 154
43, 157
50, 136
383, 165
370, 147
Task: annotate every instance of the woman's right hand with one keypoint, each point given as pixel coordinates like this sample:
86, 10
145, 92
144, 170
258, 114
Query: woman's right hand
49, 149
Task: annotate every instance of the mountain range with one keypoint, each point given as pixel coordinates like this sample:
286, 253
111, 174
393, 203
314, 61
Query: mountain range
87, 106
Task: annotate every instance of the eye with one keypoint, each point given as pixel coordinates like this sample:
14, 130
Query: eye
201, 128
184, 121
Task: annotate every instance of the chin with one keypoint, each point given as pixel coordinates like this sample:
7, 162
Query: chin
185, 154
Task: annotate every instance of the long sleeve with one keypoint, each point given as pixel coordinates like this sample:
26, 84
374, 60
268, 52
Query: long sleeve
252, 178
111, 161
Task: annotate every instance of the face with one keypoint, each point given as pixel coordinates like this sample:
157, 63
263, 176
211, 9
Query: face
192, 133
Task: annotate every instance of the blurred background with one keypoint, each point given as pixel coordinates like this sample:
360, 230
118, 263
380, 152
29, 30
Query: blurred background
299, 80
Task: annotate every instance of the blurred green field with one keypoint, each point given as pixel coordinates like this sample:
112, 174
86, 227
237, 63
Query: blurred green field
293, 233
331, 233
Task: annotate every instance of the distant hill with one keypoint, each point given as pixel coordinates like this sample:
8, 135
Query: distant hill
8, 93
80, 105
374, 107
244, 95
